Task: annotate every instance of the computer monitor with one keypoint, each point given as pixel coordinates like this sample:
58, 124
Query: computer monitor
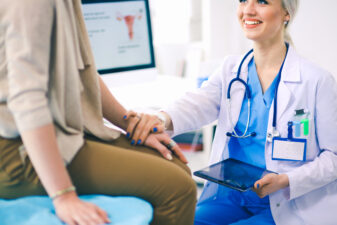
121, 39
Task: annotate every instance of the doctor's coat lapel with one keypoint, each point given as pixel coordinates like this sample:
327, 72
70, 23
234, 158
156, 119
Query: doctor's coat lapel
290, 73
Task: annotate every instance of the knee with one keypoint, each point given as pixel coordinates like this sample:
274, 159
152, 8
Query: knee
180, 164
184, 185
178, 199
185, 168
191, 187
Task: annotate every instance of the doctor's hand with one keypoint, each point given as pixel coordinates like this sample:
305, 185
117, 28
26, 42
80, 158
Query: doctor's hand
270, 183
140, 125
73, 211
162, 142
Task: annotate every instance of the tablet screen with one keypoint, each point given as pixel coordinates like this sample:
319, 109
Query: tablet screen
233, 173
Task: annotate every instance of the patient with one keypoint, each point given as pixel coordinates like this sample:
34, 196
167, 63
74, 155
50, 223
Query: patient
52, 138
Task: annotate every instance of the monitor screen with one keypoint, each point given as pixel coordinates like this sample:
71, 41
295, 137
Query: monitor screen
120, 34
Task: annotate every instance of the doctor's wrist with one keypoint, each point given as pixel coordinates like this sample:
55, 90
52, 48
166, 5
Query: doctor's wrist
164, 119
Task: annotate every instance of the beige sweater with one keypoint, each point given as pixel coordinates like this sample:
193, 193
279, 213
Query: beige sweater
47, 73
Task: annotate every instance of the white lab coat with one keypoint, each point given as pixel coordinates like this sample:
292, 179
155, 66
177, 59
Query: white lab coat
312, 194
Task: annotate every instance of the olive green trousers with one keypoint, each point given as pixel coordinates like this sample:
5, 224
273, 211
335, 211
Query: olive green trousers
117, 169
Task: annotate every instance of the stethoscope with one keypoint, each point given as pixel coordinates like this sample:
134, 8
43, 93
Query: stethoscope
274, 132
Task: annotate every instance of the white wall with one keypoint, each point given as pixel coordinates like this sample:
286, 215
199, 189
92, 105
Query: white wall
171, 33
314, 31
170, 21
221, 33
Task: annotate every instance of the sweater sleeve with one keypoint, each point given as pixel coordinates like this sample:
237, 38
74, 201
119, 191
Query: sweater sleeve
28, 35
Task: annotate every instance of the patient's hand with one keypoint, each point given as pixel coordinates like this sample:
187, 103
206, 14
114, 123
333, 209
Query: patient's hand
160, 142
72, 210
141, 125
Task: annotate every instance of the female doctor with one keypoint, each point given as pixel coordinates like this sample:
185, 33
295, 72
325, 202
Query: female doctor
269, 93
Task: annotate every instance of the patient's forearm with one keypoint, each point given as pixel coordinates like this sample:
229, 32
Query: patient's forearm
112, 109
44, 154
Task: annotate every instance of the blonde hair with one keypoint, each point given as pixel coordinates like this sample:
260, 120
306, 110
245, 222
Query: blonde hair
291, 7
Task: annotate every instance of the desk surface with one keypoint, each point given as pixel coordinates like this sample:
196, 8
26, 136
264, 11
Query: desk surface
152, 95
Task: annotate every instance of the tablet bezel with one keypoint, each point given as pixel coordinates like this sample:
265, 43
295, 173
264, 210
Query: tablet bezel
204, 174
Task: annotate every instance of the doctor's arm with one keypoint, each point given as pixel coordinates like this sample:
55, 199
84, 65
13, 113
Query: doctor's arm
323, 169
196, 108
193, 110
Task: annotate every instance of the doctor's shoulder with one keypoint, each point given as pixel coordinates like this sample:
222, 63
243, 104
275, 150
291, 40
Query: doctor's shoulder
224, 69
314, 73
229, 63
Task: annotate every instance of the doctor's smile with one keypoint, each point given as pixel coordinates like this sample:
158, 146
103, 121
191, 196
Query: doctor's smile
249, 23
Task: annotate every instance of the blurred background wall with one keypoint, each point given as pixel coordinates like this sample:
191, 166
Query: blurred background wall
191, 37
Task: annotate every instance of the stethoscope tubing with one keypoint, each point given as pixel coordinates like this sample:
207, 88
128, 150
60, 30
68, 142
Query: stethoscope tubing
239, 79
248, 94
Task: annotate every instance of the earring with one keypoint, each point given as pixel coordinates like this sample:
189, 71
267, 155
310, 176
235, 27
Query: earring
286, 22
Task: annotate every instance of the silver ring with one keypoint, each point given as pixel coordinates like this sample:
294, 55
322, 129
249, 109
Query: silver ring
171, 144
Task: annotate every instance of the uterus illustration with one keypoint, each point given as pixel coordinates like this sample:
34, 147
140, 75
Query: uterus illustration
129, 20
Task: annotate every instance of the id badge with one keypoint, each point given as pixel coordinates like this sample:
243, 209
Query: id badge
289, 149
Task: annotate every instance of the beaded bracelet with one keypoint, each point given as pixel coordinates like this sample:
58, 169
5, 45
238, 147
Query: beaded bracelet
62, 192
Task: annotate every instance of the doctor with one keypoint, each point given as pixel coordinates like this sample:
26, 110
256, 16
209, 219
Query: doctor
274, 93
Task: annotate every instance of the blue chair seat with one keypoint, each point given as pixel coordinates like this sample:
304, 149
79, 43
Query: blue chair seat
39, 210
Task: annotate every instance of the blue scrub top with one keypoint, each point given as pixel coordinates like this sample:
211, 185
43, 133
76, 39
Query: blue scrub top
251, 149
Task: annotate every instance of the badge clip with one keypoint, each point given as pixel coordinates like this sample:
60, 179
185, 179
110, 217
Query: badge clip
290, 148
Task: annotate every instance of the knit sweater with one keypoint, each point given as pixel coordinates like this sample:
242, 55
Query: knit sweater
47, 73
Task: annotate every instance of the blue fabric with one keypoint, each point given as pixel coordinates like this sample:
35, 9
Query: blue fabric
39, 210
231, 206
251, 149
234, 207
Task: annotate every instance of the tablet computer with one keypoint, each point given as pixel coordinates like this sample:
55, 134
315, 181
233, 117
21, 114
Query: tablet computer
233, 173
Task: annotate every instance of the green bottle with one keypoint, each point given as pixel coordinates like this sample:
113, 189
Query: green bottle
305, 123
